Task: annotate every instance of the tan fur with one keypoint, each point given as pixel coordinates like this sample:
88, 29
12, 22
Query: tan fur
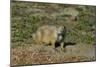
47, 34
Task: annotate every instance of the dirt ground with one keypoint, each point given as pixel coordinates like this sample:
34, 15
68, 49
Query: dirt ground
36, 54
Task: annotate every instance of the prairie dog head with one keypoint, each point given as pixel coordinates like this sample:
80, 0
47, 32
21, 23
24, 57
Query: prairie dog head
61, 33
61, 29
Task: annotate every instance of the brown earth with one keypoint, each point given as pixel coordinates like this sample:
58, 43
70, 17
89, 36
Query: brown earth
36, 54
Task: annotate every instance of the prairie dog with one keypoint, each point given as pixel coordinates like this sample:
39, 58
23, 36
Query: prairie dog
48, 34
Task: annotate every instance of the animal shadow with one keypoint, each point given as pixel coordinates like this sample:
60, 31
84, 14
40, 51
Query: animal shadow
69, 44
57, 44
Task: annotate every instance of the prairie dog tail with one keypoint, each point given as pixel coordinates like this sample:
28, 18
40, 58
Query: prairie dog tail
37, 37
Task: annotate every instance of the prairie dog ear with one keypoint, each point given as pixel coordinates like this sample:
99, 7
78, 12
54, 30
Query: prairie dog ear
64, 27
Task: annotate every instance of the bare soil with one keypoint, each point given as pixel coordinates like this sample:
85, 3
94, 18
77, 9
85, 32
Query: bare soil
36, 54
